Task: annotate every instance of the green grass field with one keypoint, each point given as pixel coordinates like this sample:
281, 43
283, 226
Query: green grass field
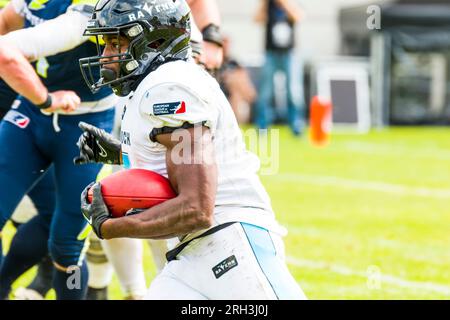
368, 215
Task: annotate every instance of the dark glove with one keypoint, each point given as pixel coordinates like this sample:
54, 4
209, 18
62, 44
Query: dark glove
96, 145
96, 212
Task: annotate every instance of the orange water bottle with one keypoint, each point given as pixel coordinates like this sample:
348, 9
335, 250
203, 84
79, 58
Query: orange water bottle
320, 120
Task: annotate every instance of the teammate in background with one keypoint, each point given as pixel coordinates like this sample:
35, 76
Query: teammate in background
42, 131
122, 256
43, 198
207, 18
207, 15
7, 96
229, 246
236, 84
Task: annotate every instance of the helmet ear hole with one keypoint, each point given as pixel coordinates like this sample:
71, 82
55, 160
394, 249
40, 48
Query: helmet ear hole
156, 44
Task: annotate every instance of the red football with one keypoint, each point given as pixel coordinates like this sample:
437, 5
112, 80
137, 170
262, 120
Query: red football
134, 189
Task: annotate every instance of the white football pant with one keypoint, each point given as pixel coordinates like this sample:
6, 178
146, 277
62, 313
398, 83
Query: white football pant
239, 262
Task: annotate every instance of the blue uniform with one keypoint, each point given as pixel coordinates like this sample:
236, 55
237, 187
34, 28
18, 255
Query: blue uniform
43, 194
7, 97
31, 145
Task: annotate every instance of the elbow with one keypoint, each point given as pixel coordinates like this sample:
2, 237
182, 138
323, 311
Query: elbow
201, 213
204, 217
207, 220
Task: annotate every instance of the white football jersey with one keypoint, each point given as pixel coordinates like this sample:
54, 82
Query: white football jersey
182, 92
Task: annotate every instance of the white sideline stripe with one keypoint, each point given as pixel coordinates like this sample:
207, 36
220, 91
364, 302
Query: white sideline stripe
366, 185
345, 271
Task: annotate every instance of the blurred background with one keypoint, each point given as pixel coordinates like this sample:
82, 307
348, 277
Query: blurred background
364, 183
383, 63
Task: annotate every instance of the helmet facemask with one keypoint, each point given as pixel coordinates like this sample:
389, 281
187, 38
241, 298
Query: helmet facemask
128, 65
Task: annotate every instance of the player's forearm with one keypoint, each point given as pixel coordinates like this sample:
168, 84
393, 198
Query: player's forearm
261, 13
51, 37
194, 178
205, 12
172, 218
10, 20
3, 27
19, 74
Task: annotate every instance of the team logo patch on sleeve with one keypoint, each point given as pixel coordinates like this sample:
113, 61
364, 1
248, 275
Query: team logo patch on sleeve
17, 118
161, 109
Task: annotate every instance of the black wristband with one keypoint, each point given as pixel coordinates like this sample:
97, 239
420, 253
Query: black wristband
211, 33
47, 104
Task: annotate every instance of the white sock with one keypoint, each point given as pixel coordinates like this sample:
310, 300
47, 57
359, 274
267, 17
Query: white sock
100, 275
100, 270
126, 256
159, 249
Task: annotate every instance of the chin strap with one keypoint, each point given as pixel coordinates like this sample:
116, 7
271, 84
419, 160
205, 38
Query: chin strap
108, 74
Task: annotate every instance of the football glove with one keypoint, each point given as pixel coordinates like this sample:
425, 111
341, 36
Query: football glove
96, 212
96, 145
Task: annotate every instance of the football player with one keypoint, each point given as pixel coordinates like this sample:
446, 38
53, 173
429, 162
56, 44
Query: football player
41, 131
207, 51
131, 278
207, 18
178, 123
206, 14
42, 196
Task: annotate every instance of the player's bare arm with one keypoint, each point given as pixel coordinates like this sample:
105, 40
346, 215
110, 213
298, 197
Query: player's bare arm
59, 34
207, 18
261, 12
17, 71
205, 12
19, 74
195, 183
10, 20
19, 47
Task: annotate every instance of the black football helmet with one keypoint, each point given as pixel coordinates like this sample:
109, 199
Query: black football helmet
158, 32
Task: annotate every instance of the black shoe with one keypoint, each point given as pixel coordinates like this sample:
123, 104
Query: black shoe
42, 283
97, 294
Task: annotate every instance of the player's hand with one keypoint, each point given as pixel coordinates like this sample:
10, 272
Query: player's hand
132, 212
212, 56
96, 212
65, 101
96, 145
